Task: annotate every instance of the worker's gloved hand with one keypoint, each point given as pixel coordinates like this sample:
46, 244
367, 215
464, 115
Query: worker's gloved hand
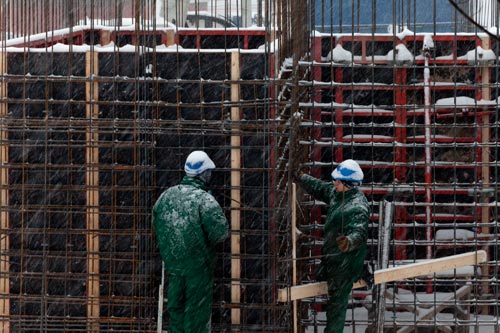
297, 174
343, 243
367, 274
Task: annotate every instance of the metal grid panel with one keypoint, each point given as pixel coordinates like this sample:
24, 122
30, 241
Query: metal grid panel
97, 122
439, 172
92, 134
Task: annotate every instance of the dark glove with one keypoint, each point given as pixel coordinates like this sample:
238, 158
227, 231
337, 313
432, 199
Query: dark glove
343, 243
367, 274
297, 174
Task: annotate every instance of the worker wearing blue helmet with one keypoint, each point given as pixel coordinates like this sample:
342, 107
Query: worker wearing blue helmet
188, 223
345, 236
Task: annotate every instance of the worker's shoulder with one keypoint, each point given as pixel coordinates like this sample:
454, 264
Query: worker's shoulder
359, 199
184, 190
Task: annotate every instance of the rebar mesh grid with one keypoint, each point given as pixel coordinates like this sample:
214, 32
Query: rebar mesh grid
103, 100
422, 124
97, 121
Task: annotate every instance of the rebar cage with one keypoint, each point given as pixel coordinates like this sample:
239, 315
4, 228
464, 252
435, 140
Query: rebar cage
102, 100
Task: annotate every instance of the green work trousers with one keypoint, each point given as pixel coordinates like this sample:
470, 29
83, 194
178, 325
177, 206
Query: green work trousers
190, 303
338, 294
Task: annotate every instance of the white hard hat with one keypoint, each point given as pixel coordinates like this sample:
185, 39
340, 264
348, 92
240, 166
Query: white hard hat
348, 171
198, 162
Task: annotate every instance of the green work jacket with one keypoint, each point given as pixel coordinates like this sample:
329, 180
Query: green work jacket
348, 214
188, 223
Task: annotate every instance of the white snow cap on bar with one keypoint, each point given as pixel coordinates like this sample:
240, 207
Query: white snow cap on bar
403, 55
340, 55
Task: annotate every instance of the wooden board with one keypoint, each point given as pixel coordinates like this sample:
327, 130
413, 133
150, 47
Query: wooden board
428, 267
235, 191
389, 274
92, 192
308, 290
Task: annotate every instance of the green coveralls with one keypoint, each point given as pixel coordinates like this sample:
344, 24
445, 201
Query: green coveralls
188, 223
348, 214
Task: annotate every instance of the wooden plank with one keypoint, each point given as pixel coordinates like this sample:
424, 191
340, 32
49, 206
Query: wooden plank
4, 202
235, 191
169, 36
92, 192
294, 252
302, 291
389, 274
428, 267
105, 37
308, 290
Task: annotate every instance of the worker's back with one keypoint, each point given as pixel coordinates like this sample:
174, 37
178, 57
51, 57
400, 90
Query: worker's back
188, 223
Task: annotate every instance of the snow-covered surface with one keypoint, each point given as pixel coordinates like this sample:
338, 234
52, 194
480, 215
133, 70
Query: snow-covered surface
463, 101
337, 105
477, 324
405, 33
402, 55
111, 47
62, 48
479, 54
272, 46
369, 137
127, 25
442, 84
377, 58
315, 83
369, 108
428, 42
340, 55
56, 48
456, 234
446, 57
40, 36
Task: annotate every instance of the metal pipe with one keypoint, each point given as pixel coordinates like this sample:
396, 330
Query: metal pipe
428, 151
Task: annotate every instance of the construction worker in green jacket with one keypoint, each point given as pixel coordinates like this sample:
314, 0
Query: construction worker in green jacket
345, 236
188, 223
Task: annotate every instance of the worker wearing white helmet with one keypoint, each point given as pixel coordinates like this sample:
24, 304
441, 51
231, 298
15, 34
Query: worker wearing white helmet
349, 173
345, 236
188, 223
198, 164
